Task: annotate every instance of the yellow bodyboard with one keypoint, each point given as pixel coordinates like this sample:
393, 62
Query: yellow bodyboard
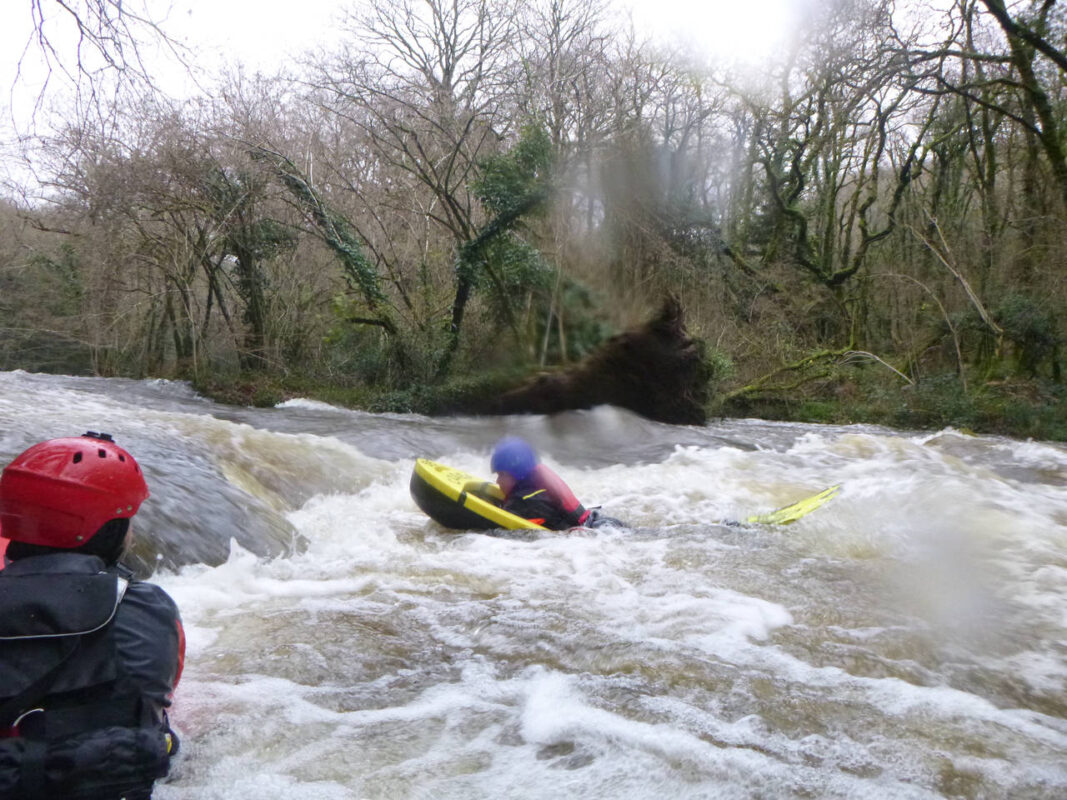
449, 484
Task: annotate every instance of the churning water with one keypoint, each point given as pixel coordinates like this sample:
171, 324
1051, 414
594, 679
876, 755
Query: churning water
908, 640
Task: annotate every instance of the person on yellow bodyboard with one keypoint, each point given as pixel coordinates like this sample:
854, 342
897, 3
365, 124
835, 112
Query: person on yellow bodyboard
531, 490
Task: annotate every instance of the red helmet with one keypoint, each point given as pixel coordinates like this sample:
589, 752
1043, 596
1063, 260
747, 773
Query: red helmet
58, 493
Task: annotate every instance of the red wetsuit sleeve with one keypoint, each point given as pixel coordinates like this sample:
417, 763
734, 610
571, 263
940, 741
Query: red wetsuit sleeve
181, 652
560, 492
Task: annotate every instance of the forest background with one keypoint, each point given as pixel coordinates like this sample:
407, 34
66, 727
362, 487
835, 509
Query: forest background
458, 193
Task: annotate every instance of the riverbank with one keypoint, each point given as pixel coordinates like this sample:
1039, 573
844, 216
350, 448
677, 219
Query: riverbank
1021, 409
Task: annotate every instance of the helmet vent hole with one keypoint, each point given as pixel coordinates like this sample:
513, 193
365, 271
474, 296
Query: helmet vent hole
102, 453
77, 458
122, 458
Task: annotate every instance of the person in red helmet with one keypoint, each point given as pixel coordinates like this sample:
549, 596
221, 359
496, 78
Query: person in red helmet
89, 657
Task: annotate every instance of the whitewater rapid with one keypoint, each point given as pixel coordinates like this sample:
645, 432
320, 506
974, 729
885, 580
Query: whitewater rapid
908, 640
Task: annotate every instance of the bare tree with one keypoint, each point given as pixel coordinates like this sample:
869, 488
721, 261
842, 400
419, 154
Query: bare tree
563, 46
828, 145
425, 83
93, 44
1028, 34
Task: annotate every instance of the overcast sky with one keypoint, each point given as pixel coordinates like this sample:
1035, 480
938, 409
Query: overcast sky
263, 34
249, 29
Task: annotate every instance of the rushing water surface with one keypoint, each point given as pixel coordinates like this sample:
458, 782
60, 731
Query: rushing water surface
908, 640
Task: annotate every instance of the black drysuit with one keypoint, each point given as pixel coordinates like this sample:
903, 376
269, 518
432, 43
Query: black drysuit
88, 661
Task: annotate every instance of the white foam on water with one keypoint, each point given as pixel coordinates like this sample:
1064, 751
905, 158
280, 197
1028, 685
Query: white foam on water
619, 590
905, 640
310, 405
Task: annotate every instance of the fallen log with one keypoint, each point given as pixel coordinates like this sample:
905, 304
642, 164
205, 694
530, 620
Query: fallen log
655, 370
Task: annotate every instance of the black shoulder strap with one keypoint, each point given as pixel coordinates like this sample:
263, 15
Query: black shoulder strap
29, 696
10, 710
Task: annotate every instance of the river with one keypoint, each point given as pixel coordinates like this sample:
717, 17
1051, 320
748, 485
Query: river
907, 640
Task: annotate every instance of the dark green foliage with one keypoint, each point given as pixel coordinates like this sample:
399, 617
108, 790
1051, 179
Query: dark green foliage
251, 245
516, 182
818, 411
59, 280
511, 186
336, 231
1031, 328
339, 235
368, 354
720, 365
263, 390
448, 396
1028, 344
1021, 409
584, 327
247, 240
37, 350
865, 394
516, 267
40, 308
511, 267
936, 401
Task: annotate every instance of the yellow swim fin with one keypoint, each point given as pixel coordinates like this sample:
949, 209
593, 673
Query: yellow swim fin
791, 513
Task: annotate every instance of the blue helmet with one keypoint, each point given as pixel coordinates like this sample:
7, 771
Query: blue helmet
514, 456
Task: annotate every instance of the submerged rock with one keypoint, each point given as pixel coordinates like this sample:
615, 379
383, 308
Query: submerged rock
655, 370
